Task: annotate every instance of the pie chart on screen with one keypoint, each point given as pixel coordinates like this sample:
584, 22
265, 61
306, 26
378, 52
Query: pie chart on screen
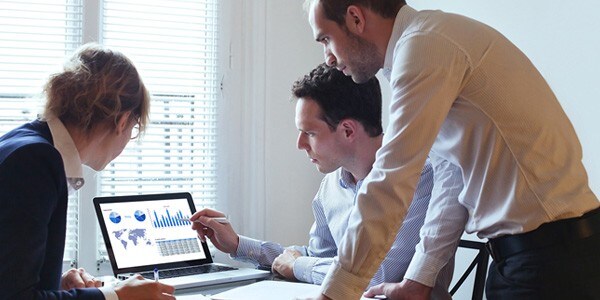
115, 217
139, 215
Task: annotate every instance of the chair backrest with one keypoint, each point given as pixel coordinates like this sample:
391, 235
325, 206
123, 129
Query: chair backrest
481, 262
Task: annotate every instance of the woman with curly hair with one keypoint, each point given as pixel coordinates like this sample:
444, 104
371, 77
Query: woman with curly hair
94, 107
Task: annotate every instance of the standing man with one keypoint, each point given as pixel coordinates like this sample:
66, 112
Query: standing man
464, 92
340, 130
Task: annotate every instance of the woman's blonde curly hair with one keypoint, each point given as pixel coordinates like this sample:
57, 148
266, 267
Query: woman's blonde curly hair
97, 86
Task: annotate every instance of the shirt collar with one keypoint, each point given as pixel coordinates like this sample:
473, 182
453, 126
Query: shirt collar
403, 19
68, 151
347, 181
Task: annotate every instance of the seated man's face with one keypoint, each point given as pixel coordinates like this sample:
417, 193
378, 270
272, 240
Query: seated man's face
324, 147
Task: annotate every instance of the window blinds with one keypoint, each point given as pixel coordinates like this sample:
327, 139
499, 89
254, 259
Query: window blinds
174, 46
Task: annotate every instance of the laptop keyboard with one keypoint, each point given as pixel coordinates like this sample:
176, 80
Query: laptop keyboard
188, 271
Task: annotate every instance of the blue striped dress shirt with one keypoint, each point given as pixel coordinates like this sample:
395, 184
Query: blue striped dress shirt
331, 208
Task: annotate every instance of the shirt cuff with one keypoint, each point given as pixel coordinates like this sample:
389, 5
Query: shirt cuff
424, 269
109, 293
247, 249
303, 266
340, 284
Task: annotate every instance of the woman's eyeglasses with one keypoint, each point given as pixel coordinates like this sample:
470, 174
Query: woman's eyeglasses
135, 131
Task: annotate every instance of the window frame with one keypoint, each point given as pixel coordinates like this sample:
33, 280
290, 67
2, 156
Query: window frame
241, 118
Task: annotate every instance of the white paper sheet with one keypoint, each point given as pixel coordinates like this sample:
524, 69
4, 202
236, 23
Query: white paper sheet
270, 290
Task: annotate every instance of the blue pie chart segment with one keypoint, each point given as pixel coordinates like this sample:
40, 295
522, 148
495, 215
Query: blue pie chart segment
139, 215
115, 217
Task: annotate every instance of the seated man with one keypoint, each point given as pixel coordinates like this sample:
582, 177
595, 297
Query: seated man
340, 130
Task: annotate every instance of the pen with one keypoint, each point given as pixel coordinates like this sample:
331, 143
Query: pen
155, 274
222, 220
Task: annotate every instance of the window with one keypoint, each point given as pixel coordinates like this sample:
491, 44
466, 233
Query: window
173, 43
35, 36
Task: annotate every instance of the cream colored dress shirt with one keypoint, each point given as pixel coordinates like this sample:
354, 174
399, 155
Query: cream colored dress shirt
70, 155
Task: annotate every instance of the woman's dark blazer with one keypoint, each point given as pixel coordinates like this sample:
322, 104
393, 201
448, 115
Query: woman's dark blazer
33, 210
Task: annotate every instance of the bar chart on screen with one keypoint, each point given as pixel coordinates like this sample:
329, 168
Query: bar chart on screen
169, 219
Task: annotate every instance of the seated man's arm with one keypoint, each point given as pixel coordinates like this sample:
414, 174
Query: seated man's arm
316, 259
394, 265
312, 269
261, 253
444, 225
224, 238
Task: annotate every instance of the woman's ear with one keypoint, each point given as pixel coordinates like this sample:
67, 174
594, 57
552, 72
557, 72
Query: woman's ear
123, 122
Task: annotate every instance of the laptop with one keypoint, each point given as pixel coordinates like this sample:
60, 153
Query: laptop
147, 232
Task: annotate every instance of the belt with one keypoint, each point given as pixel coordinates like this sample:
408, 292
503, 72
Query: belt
548, 234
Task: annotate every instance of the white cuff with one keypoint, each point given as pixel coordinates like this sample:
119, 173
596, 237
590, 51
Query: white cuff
340, 284
248, 248
303, 266
424, 269
109, 293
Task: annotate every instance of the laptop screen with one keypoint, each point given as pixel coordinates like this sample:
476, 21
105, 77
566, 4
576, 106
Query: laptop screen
146, 231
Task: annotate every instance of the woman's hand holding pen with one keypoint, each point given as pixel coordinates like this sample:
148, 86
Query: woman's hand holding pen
220, 234
136, 287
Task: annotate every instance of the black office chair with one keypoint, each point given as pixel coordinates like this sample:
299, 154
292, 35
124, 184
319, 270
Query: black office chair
481, 262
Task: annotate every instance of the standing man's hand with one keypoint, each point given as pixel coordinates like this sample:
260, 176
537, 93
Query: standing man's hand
221, 235
284, 264
405, 290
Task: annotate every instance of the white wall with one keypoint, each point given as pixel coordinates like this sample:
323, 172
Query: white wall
292, 179
268, 183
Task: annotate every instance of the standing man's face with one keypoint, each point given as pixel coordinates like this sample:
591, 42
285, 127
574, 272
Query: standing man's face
324, 147
348, 52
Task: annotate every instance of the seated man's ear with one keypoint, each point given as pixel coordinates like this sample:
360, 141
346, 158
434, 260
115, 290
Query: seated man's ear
349, 127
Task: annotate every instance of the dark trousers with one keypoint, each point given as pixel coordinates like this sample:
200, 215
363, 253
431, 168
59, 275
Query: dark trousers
569, 270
